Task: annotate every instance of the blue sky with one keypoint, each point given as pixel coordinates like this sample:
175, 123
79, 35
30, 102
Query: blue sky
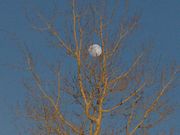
160, 21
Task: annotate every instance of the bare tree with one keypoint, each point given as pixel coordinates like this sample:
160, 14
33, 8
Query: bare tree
105, 95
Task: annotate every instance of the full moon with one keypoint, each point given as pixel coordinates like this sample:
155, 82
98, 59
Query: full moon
95, 50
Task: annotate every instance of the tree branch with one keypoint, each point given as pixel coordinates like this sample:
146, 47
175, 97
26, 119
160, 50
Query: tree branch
154, 103
129, 70
37, 80
126, 99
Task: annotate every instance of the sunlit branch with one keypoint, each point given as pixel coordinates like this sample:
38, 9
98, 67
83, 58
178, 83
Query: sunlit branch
91, 128
122, 36
75, 129
152, 106
55, 33
103, 80
126, 99
78, 57
59, 88
74, 27
130, 118
89, 116
129, 70
81, 34
37, 80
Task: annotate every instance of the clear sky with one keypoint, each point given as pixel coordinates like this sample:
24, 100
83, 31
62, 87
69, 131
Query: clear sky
160, 21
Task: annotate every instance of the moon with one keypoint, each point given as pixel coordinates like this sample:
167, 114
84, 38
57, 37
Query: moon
95, 50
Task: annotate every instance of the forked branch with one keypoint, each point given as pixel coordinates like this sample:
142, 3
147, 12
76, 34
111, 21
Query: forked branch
126, 99
154, 103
